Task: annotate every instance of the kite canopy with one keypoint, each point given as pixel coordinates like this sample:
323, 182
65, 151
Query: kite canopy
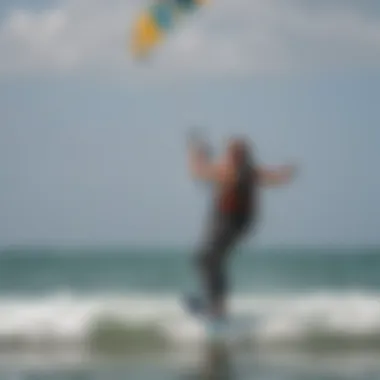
155, 22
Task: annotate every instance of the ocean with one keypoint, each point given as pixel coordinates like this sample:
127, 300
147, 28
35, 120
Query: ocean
110, 313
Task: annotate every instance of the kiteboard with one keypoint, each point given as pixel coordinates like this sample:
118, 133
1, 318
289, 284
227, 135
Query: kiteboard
156, 21
215, 330
233, 329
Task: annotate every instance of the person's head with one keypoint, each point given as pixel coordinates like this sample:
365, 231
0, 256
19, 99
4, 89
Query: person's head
239, 151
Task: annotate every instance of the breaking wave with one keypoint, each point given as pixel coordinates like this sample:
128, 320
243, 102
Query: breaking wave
110, 322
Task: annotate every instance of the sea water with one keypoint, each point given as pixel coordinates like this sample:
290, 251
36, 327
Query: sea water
117, 313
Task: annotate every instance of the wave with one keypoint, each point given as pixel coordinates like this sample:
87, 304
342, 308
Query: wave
110, 322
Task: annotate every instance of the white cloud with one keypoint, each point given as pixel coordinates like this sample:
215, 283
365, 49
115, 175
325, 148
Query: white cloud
228, 37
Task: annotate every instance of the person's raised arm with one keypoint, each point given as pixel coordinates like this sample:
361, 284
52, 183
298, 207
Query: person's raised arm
201, 166
273, 177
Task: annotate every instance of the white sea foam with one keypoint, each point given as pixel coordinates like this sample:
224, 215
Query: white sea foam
351, 318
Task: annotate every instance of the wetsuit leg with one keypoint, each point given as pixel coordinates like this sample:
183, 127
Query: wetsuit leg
212, 258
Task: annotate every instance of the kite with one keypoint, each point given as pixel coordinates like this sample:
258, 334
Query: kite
154, 23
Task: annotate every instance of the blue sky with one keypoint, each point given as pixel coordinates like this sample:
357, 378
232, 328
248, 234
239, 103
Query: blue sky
92, 145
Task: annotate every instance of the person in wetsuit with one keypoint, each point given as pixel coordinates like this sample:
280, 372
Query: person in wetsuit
236, 179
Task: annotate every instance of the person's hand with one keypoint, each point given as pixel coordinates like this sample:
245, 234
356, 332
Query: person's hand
278, 176
196, 141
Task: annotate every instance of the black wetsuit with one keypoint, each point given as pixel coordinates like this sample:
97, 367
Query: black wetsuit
233, 213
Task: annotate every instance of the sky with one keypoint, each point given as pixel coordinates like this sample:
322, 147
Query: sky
92, 143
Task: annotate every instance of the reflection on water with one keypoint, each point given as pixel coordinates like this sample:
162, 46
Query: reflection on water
220, 362
215, 364
212, 362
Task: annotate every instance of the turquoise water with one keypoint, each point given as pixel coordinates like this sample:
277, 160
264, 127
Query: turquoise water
34, 271
116, 313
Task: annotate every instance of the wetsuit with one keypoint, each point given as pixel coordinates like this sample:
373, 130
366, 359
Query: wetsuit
234, 211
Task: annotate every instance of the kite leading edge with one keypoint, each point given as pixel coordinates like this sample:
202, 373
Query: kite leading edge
155, 22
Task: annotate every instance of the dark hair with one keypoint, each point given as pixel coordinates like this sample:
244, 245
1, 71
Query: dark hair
243, 151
